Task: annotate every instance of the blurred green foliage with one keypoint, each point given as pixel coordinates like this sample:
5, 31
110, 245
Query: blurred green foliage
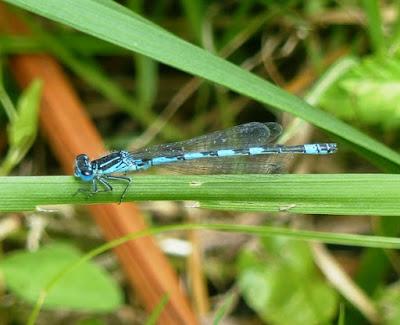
88, 288
282, 284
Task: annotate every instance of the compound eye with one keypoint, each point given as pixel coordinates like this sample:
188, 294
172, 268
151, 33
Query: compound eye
83, 168
82, 159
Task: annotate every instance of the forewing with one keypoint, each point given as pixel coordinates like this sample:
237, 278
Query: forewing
238, 137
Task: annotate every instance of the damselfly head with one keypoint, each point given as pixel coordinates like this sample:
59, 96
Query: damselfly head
83, 168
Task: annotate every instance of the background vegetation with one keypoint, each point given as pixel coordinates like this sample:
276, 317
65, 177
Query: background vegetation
341, 58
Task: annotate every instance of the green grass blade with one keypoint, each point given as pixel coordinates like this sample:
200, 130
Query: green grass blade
357, 194
80, 43
111, 22
155, 315
5, 100
341, 319
194, 12
375, 26
221, 312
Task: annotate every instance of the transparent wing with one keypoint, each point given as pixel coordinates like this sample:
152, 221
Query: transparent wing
263, 164
240, 136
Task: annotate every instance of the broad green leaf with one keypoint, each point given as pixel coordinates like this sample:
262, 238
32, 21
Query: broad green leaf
367, 94
22, 131
23, 126
389, 303
282, 289
89, 288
